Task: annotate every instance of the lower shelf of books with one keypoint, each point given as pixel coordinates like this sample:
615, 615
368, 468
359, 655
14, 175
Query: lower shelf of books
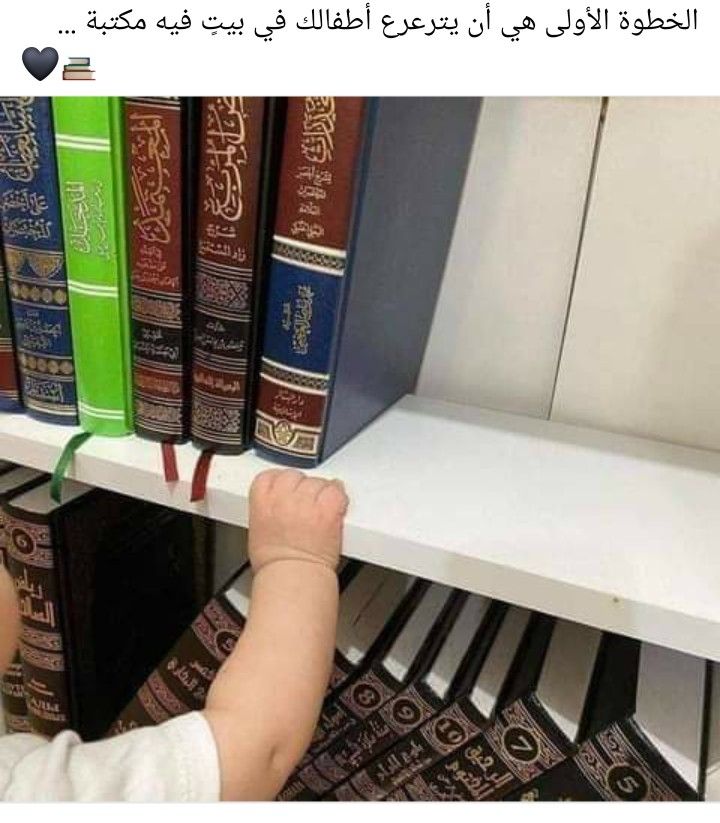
614, 532
435, 693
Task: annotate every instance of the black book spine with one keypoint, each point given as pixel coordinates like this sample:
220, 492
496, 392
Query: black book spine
617, 764
522, 743
33, 564
273, 135
371, 690
422, 741
413, 703
397, 719
416, 750
239, 142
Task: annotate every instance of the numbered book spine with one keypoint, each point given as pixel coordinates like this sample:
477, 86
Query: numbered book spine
35, 260
89, 137
180, 684
12, 683
320, 163
522, 743
160, 156
417, 749
226, 269
352, 706
618, 763
32, 562
397, 719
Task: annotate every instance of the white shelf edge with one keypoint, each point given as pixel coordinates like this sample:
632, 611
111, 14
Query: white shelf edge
526, 511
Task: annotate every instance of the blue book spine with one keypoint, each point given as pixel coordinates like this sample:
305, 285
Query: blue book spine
35, 259
304, 304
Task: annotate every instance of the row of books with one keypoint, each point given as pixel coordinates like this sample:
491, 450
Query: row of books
106, 584
441, 695
233, 270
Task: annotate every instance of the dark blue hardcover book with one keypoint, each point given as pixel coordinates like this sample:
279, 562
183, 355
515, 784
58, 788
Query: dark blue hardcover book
35, 259
369, 193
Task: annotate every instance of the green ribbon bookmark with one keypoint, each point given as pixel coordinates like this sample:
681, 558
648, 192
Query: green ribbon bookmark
67, 455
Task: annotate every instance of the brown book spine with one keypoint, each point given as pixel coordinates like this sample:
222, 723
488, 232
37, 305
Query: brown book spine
12, 684
351, 706
32, 562
425, 744
521, 744
318, 174
180, 684
157, 189
226, 263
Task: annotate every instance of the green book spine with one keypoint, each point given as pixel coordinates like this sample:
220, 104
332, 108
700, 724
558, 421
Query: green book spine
90, 151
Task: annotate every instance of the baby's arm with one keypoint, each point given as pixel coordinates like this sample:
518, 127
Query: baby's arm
9, 620
265, 702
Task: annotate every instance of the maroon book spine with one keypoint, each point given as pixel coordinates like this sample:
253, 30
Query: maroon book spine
231, 150
158, 250
32, 563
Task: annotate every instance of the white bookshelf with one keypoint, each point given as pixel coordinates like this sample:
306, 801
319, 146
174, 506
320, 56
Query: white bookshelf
612, 531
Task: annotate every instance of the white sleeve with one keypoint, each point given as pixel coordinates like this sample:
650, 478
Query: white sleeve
176, 761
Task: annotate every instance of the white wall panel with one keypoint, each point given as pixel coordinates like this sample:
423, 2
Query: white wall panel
642, 352
499, 321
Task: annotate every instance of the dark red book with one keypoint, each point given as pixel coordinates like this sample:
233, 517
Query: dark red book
161, 155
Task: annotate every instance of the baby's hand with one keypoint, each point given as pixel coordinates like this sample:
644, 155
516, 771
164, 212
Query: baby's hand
294, 517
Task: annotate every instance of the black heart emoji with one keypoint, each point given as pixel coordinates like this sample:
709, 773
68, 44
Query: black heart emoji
40, 63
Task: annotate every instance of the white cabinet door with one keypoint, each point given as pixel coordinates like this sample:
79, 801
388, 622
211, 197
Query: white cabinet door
499, 320
642, 351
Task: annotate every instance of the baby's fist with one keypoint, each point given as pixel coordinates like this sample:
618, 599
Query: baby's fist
294, 517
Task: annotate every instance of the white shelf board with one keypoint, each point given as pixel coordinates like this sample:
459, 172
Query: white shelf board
613, 531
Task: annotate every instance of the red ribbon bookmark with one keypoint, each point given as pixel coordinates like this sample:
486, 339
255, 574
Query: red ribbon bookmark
170, 463
200, 476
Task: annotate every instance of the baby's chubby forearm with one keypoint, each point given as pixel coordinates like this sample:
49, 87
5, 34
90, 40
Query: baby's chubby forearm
9, 620
264, 704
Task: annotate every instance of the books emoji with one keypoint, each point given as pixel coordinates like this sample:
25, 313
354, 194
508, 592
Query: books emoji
78, 69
